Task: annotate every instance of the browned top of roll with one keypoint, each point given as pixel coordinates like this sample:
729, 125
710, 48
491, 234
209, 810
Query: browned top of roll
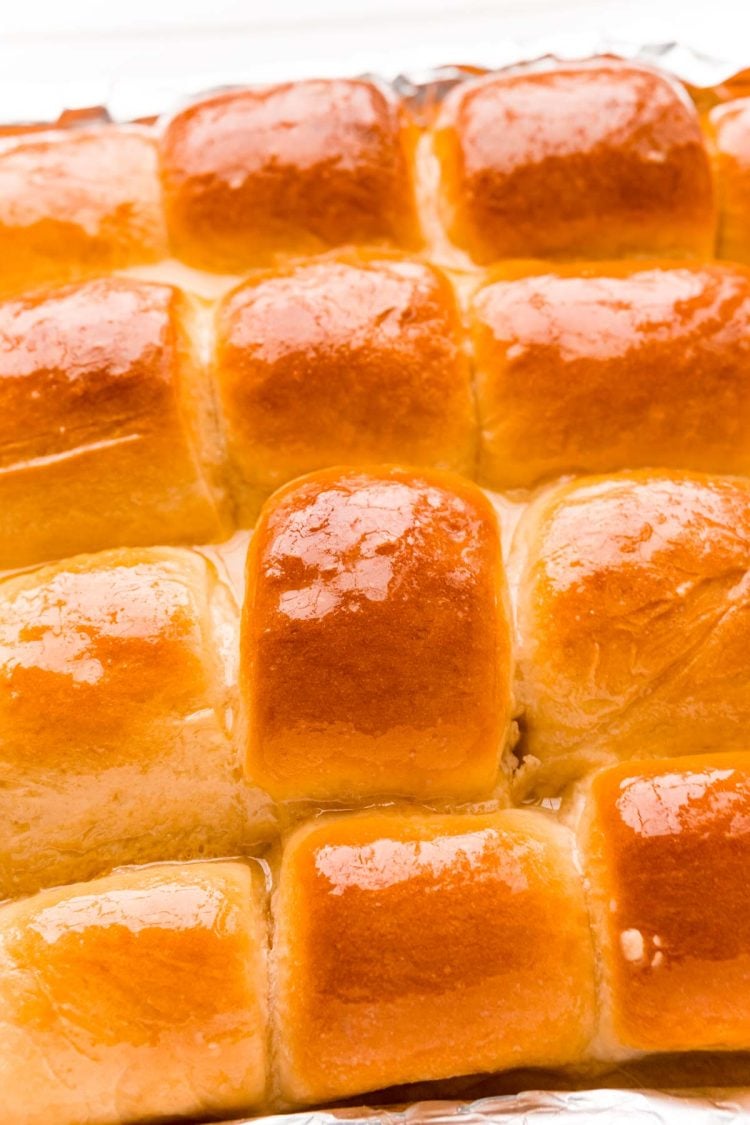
598, 159
412, 944
349, 358
604, 366
292, 168
146, 989
634, 619
105, 435
668, 852
77, 203
729, 131
375, 639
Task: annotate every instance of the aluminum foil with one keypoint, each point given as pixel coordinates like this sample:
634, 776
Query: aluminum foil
72, 102
685, 1090
586, 1107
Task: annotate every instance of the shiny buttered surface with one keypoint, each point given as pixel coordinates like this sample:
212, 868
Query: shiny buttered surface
78, 203
729, 130
257, 842
668, 845
350, 318
601, 159
375, 639
293, 168
139, 995
398, 943
117, 705
369, 346
633, 620
107, 433
583, 368
132, 413
407, 941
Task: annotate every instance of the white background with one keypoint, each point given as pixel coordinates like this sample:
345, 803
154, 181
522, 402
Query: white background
142, 51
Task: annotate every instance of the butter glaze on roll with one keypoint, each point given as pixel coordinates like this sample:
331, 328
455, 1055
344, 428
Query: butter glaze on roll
138, 996
107, 435
77, 203
633, 620
729, 130
596, 159
117, 690
294, 169
352, 358
405, 943
375, 650
595, 368
667, 846
413, 947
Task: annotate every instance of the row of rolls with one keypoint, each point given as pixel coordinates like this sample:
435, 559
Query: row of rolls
385, 947
596, 159
133, 413
385, 650
399, 676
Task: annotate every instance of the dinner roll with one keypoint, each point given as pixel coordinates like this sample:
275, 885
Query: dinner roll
117, 685
667, 849
76, 203
412, 947
349, 359
633, 620
594, 159
375, 648
106, 423
593, 368
293, 168
137, 996
729, 129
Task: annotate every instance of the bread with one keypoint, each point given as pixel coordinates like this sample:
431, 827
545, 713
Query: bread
346, 359
137, 996
258, 844
668, 846
76, 203
633, 620
412, 946
594, 159
375, 646
117, 689
294, 168
106, 423
582, 368
405, 946
729, 132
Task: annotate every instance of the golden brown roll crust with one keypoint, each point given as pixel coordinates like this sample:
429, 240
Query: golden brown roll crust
375, 649
353, 358
134, 997
117, 684
414, 947
106, 430
594, 368
596, 159
729, 129
633, 620
77, 203
668, 852
293, 168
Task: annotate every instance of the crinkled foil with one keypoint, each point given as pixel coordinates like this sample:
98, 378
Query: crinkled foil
681, 1090
585, 1107
35, 103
